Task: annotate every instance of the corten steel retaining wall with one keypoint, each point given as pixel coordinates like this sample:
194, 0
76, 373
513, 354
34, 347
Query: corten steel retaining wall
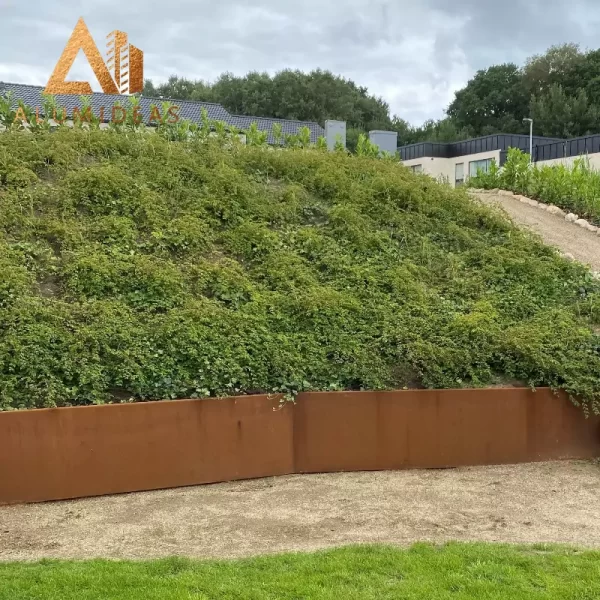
50, 454
88, 451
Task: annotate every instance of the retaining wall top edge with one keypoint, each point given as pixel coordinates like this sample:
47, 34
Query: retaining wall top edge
277, 398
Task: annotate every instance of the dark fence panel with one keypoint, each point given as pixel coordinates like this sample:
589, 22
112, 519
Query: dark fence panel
567, 148
475, 146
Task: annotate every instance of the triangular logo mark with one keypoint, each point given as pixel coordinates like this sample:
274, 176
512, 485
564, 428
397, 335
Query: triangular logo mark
126, 60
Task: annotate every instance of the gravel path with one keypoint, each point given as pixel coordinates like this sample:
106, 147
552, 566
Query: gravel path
583, 245
545, 502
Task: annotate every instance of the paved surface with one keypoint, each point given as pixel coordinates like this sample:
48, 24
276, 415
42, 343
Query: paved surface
546, 502
583, 245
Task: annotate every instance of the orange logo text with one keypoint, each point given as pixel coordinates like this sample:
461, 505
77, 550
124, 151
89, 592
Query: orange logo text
115, 114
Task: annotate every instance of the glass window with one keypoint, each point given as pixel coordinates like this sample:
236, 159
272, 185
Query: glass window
459, 174
417, 168
484, 165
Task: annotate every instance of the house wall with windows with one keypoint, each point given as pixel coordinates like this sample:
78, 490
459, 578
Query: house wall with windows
455, 162
438, 168
456, 170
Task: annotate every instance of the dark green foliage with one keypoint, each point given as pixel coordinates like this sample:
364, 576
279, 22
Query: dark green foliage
559, 115
135, 267
314, 96
494, 100
563, 65
560, 89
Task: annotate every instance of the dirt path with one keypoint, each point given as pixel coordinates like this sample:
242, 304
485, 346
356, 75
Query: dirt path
547, 502
583, 245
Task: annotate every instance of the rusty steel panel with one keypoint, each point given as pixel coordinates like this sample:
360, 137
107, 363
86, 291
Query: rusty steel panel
354, 431
53, 454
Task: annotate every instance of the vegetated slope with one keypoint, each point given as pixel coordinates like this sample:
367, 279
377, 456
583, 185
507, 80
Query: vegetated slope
137, 267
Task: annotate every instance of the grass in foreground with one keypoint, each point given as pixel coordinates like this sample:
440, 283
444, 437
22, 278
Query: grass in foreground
457, 571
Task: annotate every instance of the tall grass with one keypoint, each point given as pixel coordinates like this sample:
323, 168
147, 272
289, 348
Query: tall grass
575, 188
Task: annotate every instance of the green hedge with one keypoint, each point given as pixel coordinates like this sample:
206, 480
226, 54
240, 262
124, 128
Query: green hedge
137, 268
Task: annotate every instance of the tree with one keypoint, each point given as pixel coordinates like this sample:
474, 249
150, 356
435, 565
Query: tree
556, 114
587, 75
494, 100
180, 88
444, 130
558, 65
314, 96
559, 88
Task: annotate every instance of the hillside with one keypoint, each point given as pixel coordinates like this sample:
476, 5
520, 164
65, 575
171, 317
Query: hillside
134, 267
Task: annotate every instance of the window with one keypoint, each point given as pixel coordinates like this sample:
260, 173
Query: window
484, 165
459, 174
417, 168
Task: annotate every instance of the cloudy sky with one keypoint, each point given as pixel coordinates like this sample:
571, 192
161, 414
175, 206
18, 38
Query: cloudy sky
415, 54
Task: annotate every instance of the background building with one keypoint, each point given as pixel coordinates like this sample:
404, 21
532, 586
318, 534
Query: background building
454, 162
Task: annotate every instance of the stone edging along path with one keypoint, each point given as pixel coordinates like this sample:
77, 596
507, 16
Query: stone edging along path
554, 210
556, 228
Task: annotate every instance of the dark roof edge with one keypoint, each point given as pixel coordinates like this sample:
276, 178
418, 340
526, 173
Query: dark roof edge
275, 119
159, 99
227, 117
483, 137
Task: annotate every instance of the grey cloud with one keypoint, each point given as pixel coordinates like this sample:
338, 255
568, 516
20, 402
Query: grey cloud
414, 54
512, 30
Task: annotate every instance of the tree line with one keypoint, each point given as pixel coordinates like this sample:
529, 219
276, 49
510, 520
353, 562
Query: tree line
559, 89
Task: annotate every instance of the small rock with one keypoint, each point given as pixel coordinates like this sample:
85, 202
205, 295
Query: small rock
571, 217
582, 223
532, 202
505, 193
592, 228
555, 210
568, 256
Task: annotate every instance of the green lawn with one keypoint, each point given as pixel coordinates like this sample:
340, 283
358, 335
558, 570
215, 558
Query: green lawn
455, 571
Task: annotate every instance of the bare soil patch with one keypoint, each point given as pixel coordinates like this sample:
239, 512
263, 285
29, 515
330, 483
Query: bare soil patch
547, 502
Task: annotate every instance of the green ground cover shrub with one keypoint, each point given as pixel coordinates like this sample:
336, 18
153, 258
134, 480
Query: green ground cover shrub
138, 267
573, 188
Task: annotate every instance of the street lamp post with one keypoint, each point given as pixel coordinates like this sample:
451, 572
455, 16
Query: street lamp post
530, 139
